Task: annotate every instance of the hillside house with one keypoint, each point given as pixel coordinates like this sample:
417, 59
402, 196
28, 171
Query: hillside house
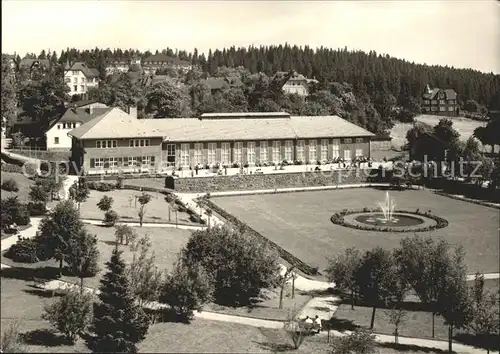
440, 102
296, 84
122, 65
119, 142
34, 66
79, 78
218, 84
162, 61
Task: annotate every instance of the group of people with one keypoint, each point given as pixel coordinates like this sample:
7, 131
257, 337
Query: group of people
312, 323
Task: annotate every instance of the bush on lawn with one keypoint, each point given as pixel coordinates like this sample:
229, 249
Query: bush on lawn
25, 250
196, 219
186, 289
37, 208
70, 314
110, 217
10, 185
8, 167
238, 264
101, 186
13, 211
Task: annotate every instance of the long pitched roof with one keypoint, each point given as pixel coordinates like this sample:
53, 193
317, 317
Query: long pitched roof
450, 94
117, 124
81, 66
79, 115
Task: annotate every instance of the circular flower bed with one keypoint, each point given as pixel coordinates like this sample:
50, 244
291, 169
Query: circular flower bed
404, 221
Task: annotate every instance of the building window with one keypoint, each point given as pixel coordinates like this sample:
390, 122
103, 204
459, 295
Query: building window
312, 151
238, 147
441, 101
276, 151
336, 149
198, 153
359, 140
300, 150
450, 109
359, 152
251, 152
82, 80
185, 154
132, 161
74, 125
56, 140
434, 101
105, 144
75, 88
225, 153
426, 101
171, 153
324, 149
434, 109
59, 126
74, 72
212, 153
263, 151
113, 162
138, 142
442, 109
451, 101
82, 88
146, 161
347, 155
75, 80
98, 163
347, 141
288, 150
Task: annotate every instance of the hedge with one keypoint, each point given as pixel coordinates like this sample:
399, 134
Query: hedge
287, 256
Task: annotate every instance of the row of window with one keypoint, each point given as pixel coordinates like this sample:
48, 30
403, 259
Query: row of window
66, 126
276, 153
115, 162
440, 102
441, 109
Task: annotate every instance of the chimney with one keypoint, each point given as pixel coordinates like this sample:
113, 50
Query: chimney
132, 110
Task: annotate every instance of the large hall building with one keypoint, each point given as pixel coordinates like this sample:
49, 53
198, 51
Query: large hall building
118, 141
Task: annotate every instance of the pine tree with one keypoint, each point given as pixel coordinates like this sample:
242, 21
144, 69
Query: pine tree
119, 324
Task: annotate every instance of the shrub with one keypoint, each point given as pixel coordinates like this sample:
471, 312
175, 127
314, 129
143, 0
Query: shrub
110, 217
7, 167
239, 265
101, 187
13, 211
10, 185
36, 208
186, 290
25, 250
70, 314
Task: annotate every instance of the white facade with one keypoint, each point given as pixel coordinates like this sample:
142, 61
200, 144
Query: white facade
57, 136
78, 83
298, 87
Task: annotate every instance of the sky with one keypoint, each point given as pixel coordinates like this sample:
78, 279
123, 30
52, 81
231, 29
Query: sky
463, 34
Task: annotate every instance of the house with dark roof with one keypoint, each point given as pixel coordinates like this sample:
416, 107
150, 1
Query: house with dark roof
119, 142
161, 61
77, 114
440, 102
295, 84
32, 66
122, 65
218, 84
79, 77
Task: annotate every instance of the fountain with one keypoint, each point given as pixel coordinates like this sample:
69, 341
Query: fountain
387, 209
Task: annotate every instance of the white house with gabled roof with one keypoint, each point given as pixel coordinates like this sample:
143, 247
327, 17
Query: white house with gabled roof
79, 78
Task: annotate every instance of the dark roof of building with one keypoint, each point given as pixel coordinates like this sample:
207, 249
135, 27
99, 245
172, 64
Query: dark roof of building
81, 103
162, 58
220, 83
450, 94
81, 66
80, 115
118, 124
29, 63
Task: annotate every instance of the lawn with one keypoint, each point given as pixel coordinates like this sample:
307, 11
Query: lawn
23, 183
23, 305
157, 210
300, 223
166, 243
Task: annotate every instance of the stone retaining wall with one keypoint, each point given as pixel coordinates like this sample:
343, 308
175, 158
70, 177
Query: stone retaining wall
269, 181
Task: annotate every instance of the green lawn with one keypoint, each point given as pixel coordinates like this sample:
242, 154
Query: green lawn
22, 305
157, 210
23, 183
166, 243
300, 223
